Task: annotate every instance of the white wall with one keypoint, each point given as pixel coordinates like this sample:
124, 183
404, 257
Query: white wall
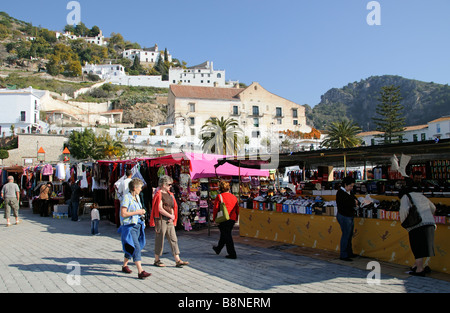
143, 81
12, 103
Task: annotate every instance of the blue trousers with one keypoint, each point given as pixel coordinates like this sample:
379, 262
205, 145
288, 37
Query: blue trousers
94, 227
135, 232
347, 227
74, 206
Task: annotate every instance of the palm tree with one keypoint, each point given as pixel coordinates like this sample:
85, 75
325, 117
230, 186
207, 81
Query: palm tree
342, 135
107, 147
222, 136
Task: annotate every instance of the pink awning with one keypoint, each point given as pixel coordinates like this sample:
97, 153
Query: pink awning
202, 165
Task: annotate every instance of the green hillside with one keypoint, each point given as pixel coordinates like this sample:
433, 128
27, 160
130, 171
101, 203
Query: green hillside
357, 101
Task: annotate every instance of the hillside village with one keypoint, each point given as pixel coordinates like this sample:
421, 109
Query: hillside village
144, 96
59, 82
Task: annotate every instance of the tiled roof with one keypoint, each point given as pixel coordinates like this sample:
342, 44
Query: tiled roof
441, 119
196, 92
415, 127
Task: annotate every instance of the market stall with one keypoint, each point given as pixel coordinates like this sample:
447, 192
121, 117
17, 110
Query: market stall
384, 239
305, 215
196, 185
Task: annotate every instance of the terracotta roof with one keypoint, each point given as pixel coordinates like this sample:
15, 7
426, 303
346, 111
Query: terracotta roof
441, 119
196, 92
369, 133
415, 127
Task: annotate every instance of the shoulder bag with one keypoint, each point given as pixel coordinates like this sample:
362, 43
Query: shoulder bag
413, 217
222, 214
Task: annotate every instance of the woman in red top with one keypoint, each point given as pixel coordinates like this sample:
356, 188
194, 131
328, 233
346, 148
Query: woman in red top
232, 205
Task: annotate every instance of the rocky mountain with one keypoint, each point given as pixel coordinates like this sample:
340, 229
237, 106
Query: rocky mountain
357, 101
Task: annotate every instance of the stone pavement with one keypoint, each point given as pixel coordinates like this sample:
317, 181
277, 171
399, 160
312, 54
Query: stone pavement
45, 255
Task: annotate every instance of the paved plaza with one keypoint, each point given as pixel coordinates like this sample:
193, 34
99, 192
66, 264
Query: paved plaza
46, 255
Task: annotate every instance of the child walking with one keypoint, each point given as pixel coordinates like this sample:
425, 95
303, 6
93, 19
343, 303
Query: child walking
95, 219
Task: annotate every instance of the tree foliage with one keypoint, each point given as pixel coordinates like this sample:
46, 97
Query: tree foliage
64, 61
86, 145
106, 147
82, 144
342, 135
222, 136
4, 154
391, 121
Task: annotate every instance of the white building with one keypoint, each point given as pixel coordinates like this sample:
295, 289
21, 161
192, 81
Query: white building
115, 74
260, 114
147, 56
97, 40
21, 109
105, 71
199, 75
438, 128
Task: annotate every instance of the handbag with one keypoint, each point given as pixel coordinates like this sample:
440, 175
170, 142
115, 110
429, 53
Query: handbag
413, 217
222, 214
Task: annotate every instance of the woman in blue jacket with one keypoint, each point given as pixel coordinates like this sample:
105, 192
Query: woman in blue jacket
132, 228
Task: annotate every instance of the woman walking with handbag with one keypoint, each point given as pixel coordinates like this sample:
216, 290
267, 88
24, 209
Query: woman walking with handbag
226, 227
421, 235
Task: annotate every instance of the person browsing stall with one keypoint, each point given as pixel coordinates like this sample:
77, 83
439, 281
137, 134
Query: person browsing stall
346, 203
421, 236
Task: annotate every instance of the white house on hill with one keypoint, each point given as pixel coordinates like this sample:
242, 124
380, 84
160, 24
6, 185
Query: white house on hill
21, 109
199, 75
147, 56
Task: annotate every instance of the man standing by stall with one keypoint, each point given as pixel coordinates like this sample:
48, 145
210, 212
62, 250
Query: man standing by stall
11, 195
346, 203
75, 200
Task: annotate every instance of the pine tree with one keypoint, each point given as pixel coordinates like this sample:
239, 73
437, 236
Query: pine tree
392, 120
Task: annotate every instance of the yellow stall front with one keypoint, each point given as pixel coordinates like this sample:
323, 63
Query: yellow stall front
384, 240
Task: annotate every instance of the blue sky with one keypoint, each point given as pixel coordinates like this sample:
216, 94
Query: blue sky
296, 49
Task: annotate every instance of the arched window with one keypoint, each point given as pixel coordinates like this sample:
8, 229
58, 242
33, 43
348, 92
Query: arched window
219, 75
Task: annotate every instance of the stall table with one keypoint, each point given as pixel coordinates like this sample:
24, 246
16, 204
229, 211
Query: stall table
384, 240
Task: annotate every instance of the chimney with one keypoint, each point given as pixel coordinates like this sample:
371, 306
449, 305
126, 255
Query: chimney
216, 84
236, 85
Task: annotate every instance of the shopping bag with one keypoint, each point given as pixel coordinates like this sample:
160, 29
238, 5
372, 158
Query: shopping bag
413, 217
222, 214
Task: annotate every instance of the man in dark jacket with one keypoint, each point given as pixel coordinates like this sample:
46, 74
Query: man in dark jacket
346, 203
75, 200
